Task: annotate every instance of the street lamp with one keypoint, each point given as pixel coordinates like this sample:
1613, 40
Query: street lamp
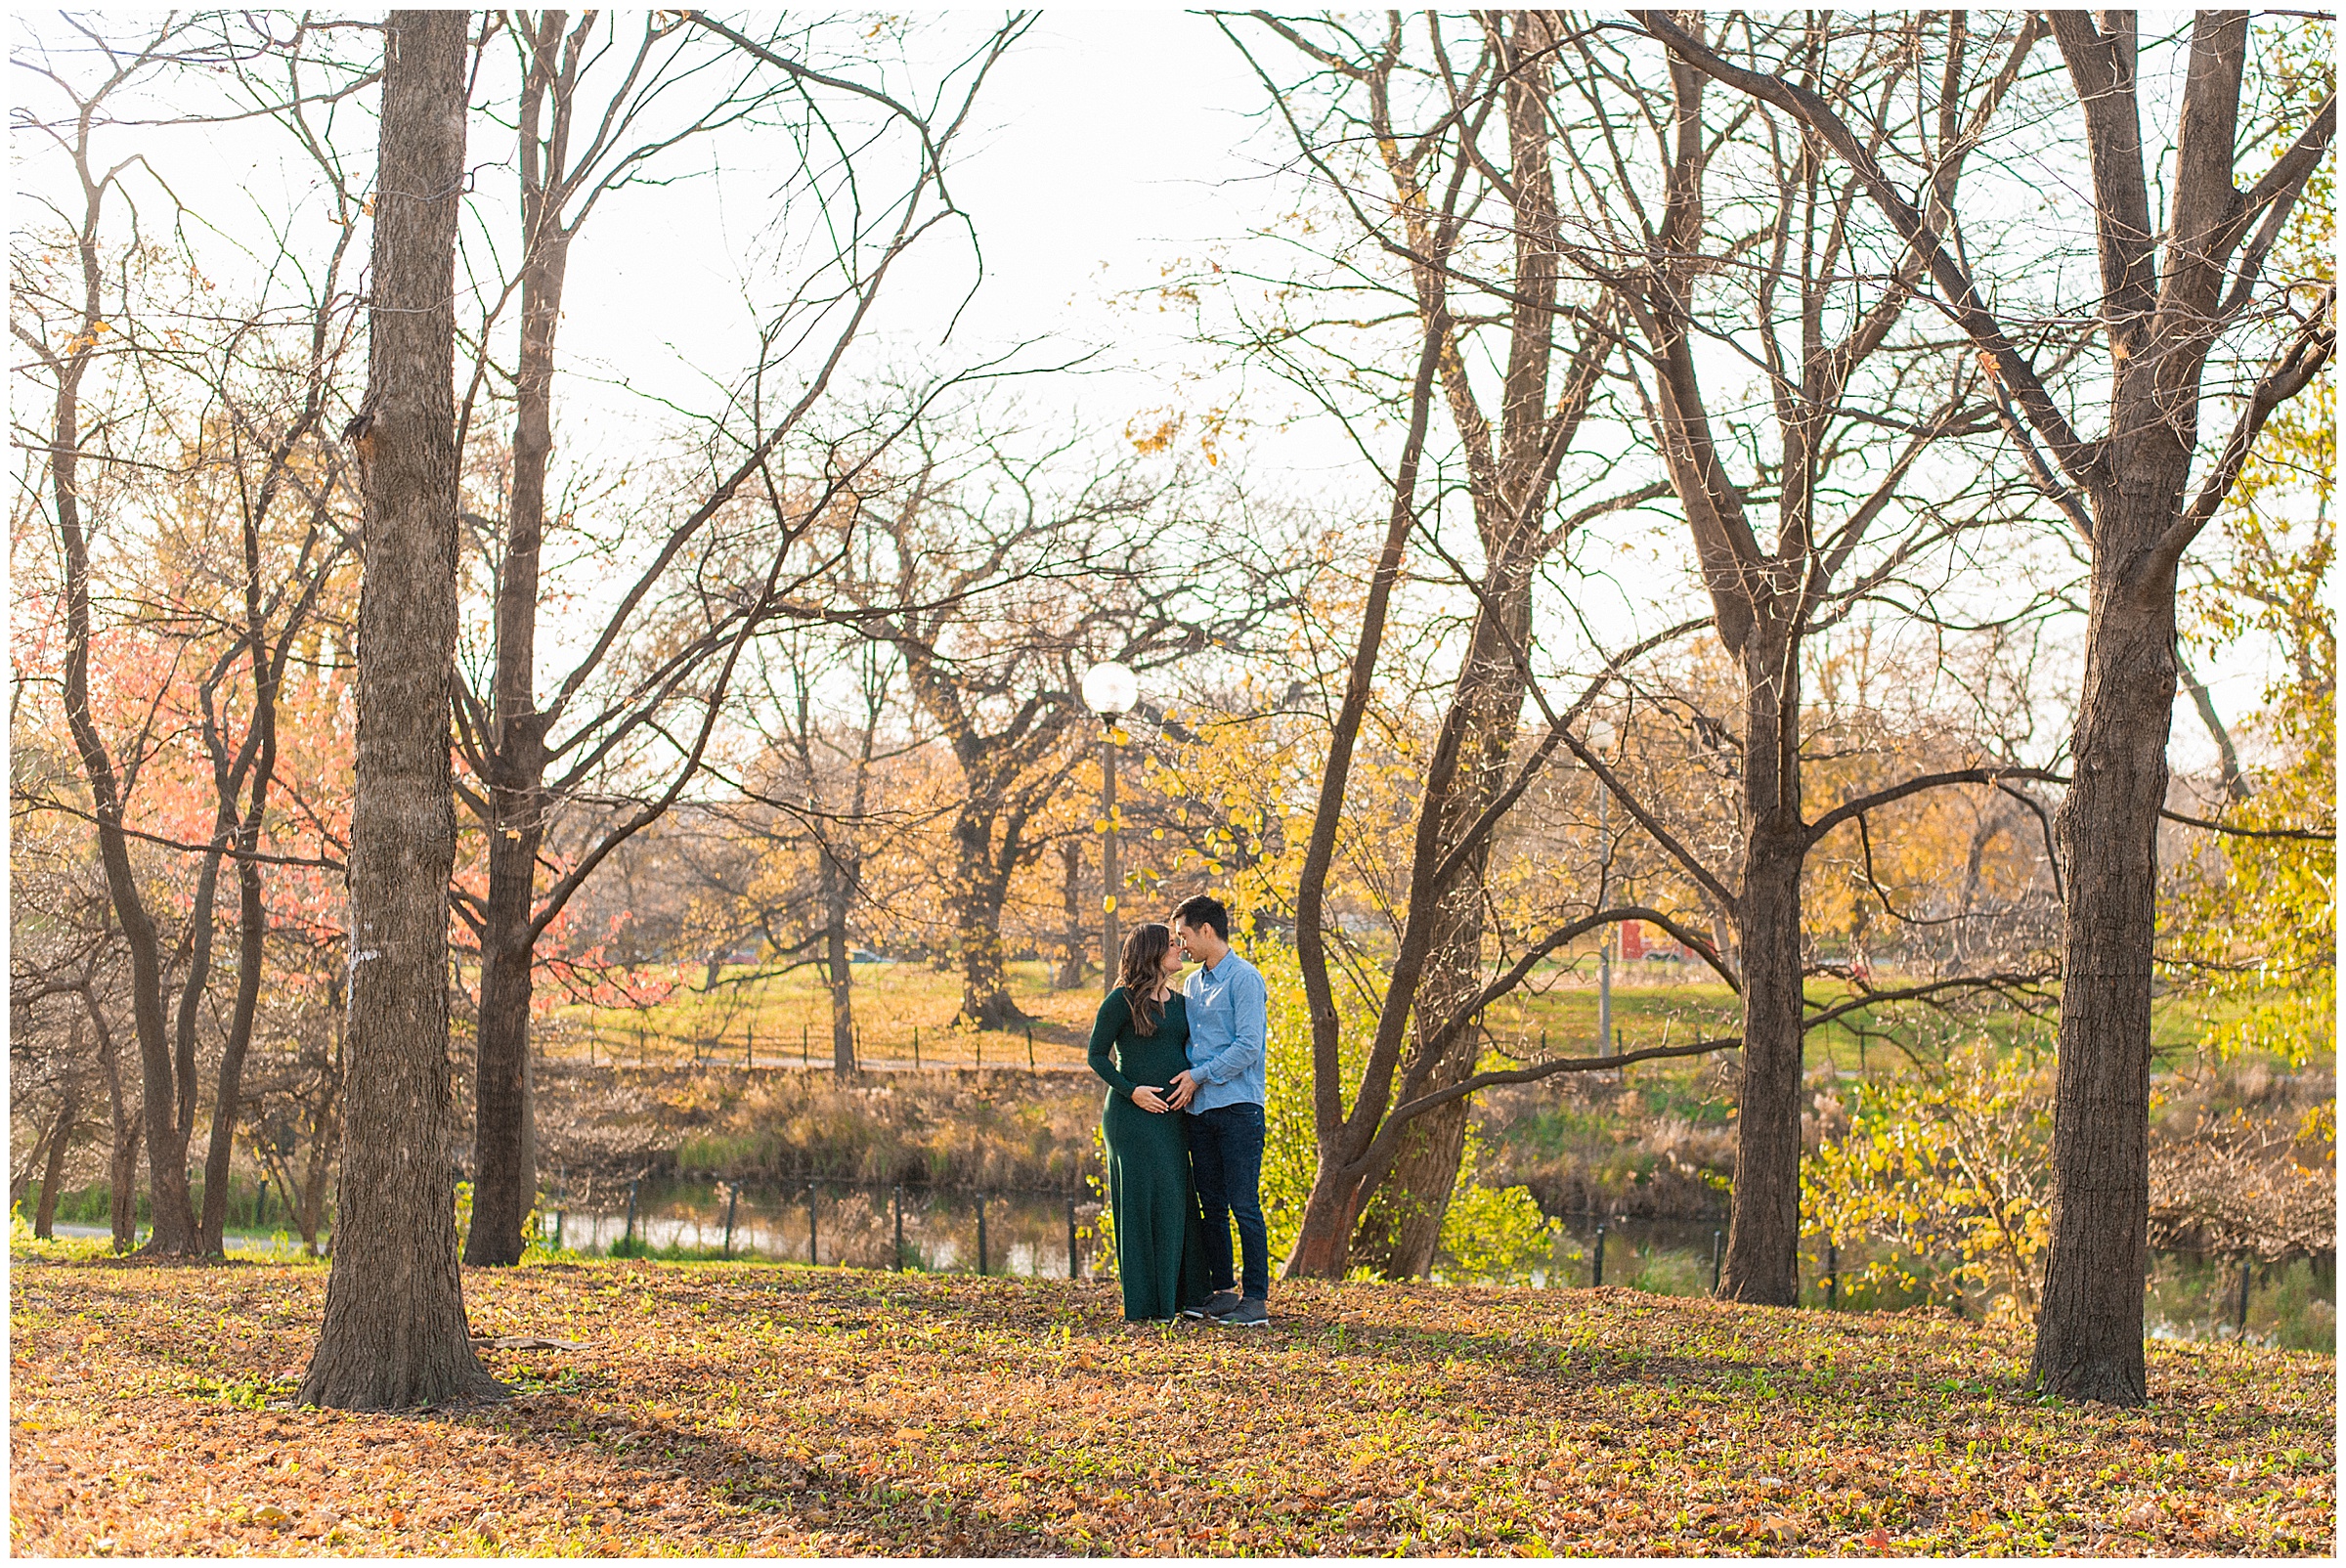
1109, 690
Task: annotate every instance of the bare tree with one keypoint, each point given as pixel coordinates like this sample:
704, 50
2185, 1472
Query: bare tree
1466, 122
1462, 216
394, 1334
65, 967
213, 419
72, 332
584, 136
1718, 229
832, 770
997, 583
2174, 287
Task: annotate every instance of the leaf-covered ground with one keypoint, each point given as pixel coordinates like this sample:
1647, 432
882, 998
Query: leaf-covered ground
786, 1411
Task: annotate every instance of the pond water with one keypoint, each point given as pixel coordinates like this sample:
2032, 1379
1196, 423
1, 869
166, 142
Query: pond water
2292, 1306
838, 1223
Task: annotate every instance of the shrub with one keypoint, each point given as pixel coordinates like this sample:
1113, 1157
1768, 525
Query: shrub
1948, 1176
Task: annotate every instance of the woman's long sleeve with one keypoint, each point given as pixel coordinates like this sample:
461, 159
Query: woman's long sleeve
1114, 1013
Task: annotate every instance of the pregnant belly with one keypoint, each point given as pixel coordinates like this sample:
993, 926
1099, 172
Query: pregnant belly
1132, 1131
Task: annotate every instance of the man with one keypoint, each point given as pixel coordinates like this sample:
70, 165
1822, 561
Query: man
1223, 1093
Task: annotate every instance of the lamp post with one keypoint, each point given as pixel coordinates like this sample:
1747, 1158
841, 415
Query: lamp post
1604, 951
1109, 690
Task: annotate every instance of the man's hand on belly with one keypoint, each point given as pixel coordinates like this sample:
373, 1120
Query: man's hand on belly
1182, 1089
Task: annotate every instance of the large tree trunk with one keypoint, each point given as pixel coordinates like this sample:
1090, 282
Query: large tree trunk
2088, 1332
1762, 1256
1401, 1223
2088, 1342
395, 1332
979, 892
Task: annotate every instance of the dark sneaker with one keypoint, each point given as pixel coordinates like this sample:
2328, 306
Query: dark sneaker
1252, 1312
1218, 1303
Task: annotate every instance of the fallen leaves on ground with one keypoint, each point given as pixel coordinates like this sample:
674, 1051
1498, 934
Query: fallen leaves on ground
783, 1411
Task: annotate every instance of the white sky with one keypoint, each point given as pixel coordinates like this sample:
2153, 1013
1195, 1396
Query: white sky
1111, 145
1107, 147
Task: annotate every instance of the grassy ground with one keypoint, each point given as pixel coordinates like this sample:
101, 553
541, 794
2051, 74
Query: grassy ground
780, 1021
786, 1411
787, 1017
1664, 1004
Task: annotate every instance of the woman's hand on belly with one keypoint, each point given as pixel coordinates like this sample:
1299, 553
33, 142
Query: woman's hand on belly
1149, 1099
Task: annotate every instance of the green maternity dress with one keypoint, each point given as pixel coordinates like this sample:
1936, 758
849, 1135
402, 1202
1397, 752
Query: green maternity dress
1159, 1236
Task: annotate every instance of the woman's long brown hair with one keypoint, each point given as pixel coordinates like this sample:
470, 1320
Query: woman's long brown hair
1144, 961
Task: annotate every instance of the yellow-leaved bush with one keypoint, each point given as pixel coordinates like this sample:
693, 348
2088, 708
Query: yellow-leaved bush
1945, 1179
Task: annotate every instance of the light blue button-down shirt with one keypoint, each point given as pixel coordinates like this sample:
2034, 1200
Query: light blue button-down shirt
1230, 1026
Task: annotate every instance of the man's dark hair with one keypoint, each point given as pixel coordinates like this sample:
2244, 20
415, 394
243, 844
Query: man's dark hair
1204, 911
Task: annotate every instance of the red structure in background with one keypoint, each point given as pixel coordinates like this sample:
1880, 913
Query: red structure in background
1635, 944
1633, 939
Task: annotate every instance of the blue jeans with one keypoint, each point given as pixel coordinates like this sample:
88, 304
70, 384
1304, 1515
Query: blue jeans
1226, 1156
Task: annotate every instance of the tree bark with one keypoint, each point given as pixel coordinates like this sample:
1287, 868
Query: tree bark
394, 1335
504, 1143
1762, 1263
122, 1160
1401, 1224
980, 889
1072, 966
2088, 1333
53, 1171
839, 976
2089, 1341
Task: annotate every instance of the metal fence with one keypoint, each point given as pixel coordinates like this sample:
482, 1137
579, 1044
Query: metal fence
809, 1046
897, 1225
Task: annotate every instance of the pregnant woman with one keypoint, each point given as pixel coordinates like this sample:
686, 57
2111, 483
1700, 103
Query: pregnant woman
1138, 1042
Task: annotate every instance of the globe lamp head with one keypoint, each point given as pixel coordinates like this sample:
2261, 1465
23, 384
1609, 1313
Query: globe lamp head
1111, 689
